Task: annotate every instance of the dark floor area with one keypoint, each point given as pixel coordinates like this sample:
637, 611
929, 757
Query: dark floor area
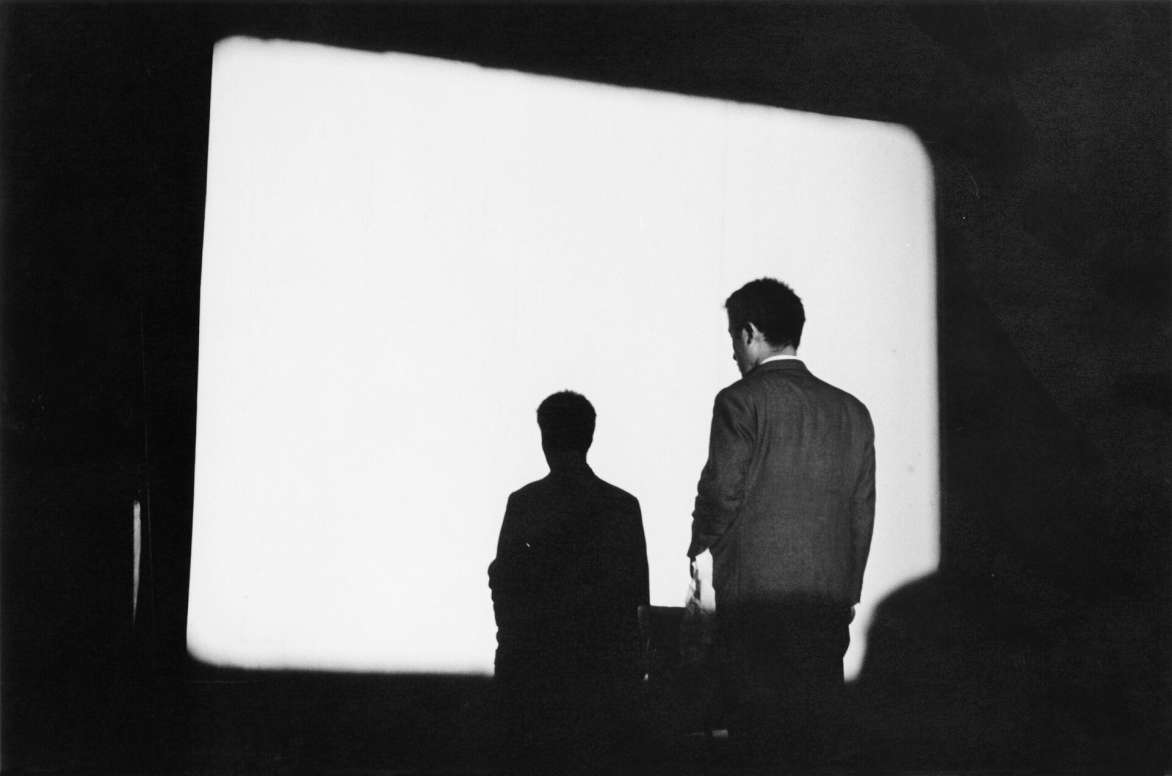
960, 676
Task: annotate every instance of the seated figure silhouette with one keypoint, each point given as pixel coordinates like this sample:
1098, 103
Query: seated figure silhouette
569, 575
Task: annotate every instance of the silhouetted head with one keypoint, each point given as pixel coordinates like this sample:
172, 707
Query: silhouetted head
765, 317
567, 424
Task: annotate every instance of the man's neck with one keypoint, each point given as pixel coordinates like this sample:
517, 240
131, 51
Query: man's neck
565, 460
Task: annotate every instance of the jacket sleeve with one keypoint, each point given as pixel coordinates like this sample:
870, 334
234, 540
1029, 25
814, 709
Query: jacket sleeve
721, 490
863, 513
637, 547
507, 570
514, 575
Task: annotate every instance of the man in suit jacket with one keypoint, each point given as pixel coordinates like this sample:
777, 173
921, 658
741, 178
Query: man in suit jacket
569, 575
785, 504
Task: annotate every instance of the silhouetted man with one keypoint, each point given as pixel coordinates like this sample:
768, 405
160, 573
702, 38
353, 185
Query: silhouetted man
569, 575
786, 504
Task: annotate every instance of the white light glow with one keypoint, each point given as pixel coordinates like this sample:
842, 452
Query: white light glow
403, 256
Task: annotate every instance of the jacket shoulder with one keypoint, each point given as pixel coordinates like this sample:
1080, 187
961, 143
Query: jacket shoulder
529, 491
739, 392
825, 393
852, 403
613, 494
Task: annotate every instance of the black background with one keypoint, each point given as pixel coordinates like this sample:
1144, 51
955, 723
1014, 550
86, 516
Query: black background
1043, 638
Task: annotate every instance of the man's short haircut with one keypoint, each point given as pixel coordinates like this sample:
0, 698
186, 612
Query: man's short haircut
772, 307
567, 422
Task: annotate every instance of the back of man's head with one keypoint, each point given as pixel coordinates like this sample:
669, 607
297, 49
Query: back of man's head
567, 422
772, 307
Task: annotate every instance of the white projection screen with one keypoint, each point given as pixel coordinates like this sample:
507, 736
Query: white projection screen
403, 256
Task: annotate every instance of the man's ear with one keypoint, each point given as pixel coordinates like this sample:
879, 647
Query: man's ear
751, 333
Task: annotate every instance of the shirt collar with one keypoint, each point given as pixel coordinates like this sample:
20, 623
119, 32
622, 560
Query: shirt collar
782, 357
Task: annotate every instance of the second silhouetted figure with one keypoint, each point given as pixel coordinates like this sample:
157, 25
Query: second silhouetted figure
569, 575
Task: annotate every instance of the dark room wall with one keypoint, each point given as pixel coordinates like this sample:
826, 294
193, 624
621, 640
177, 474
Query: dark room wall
1042, 639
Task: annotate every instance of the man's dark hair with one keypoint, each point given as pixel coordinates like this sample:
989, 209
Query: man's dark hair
772, 307
567, 422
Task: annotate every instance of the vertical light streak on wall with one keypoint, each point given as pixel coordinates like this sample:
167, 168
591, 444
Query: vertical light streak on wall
136, 557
